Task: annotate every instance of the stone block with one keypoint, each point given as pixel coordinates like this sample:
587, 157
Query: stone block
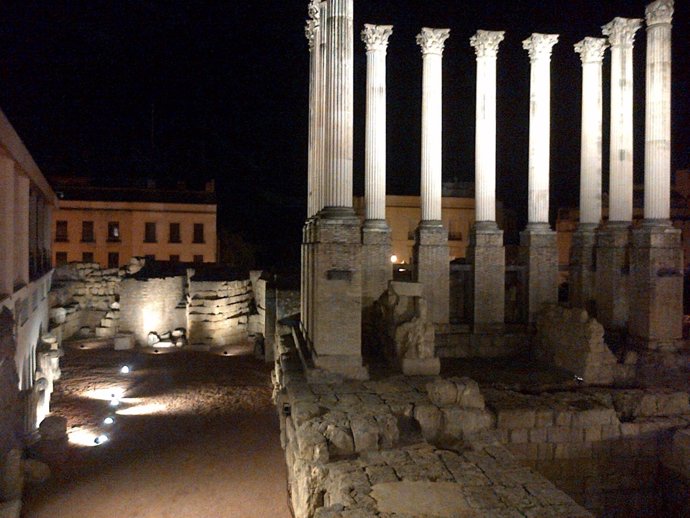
538, 252
11, 475
421, 366
53, 428
516, 418
463, 392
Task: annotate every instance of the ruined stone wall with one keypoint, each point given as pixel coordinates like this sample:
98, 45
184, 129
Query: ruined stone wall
218, 311
155, 305
571, 340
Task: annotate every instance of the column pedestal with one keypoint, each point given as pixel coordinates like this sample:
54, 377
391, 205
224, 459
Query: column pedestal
432, 268
337, 294
656, 287
582, 268
376, 260
612, 275
486, 253
539, 253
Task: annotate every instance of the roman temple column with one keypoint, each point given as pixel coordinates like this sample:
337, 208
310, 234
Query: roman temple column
656, 294
336, 315
21, 230
538, 249
7, 236
613, 238
431, 256
582, 264
486, 252
376, 234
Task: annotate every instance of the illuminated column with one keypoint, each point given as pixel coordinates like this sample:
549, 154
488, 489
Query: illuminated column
613, 239
376, 236
313, 34
21, 230
431, 257
538, 249
486, 252
339, 108
539, 47
621, 33
656, 264
657, 163
376, 39
320, 173
591, 51
7, 237
432, 42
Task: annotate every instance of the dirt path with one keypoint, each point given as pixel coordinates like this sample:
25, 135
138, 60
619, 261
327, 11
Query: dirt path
195, 435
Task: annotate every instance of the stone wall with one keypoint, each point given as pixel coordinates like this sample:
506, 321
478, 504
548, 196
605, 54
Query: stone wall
218, 311
569, 339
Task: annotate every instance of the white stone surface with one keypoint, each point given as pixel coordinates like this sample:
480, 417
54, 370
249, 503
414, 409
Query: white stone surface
591, 52
539, 47
313, 33
657, 166
485, 45
432, 42
376, 39
621, 34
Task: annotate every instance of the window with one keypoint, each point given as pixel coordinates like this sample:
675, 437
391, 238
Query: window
198, 258
150, 232
87, 257
198, 233
87, 232
60, 258
174, 258
175, 233
61, 231
113, 231
113, 260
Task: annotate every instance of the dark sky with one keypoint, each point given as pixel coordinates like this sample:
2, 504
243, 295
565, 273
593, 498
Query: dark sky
226, 83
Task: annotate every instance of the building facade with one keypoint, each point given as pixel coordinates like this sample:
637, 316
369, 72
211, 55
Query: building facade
110, 226
26, 204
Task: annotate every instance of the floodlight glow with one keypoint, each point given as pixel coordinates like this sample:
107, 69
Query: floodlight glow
105, 394
108, 420
144, 409
394, 258
100, 439
125, 369
114, 402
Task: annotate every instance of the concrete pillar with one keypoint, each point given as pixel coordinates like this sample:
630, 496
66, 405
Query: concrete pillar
336, 292
486, 252
376, 235
431, 255
21, 230
538, 251
613, 238
7, 236
582, 256
656, 264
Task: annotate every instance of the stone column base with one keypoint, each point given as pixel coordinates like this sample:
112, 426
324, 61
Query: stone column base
377, 269
487, 255
336, 293
612, 275
432, 268
656, 288
582, 268
539, 253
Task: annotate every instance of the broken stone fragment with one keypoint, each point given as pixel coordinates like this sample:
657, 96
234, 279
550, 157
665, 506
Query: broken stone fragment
53, 428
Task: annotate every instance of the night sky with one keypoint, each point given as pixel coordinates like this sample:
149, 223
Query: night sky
223, 89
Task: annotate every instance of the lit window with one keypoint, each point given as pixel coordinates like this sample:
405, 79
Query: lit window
113, 231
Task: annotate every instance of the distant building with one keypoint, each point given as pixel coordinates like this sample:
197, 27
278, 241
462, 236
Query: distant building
109, 226
403, 214
26, 203
567, 219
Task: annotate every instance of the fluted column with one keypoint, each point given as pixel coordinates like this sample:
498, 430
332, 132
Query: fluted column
7, 227
320, 173
621, 34
657, 164
582, 273
485, 45
432, 42
21, 229
339, 107
313, 34
539, 47
376, 39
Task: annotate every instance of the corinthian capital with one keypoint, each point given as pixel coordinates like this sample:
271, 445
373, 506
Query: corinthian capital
486, 43
314, 10
310, 32
376, 36
660, 11
591, 50
539, 45
432, 41
621, 31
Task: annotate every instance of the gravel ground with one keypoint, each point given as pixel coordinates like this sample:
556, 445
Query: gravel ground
195, 435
